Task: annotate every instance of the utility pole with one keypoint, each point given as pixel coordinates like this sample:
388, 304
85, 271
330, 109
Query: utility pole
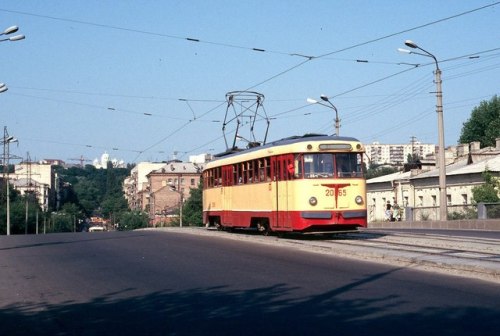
27, 191
441, 157
412, 140
6, 141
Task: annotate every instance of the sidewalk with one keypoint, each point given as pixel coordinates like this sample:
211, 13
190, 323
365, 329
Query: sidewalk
466, 224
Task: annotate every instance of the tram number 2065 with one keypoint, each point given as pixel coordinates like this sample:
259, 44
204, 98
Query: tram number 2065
331, 192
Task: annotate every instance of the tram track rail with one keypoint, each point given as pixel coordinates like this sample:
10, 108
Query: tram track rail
472, 257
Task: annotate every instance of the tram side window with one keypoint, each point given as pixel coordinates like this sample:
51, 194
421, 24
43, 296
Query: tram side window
239, 166
206, 182
298, 166
217, 176
209, 178
267, 162
256, 170
250, 165
262, 171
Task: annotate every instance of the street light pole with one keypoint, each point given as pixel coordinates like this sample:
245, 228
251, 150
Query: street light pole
11, 30
6, 155
443, 212
325, 98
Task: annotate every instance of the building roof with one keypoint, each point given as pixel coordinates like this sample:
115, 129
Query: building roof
23, 182
459, 168
390, 177
176, 167
492, 164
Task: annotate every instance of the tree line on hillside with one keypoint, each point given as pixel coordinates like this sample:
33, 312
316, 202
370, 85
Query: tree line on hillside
84, 192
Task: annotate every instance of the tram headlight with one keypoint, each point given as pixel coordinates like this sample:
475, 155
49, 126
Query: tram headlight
358, 200
313, 201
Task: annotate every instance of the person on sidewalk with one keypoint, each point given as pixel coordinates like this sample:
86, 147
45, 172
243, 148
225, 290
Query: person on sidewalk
388, 211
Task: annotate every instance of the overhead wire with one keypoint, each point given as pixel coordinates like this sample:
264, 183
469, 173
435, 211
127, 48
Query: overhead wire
307, 60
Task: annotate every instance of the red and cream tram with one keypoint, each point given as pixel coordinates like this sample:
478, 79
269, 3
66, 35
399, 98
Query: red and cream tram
301, 184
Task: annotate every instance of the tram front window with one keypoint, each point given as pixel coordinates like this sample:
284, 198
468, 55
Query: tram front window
328, 165
348, 165
318, 165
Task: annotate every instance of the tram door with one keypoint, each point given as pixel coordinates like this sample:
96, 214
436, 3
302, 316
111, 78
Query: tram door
282, 174
227, 182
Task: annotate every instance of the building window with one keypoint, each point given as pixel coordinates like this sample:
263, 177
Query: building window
434, 203
421, 200
193, 182
448, 199
464, 199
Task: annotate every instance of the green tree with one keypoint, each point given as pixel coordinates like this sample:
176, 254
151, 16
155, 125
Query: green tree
62, 222
132, 220
483, 124
373, 172
112, 206
95, 190
487, 192
192, 210
17, 210
89, 195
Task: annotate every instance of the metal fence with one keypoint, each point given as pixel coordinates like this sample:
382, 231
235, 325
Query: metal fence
455, 212
488, 211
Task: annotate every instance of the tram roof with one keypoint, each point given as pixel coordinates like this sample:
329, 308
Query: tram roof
283, 142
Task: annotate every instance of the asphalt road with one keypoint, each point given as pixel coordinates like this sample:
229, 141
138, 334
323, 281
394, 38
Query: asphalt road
168, 283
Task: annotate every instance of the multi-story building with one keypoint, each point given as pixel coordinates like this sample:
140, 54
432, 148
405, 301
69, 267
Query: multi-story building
396, 154
158, 187
135, 186
168, 187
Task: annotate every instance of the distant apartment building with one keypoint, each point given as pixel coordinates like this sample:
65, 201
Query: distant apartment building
396, 154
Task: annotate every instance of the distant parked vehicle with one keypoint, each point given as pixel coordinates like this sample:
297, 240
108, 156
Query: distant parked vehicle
96, 228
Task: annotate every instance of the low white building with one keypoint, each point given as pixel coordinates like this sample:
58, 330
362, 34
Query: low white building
420, 189
38, 179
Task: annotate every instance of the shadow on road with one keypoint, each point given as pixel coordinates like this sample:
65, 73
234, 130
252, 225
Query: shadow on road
273, 310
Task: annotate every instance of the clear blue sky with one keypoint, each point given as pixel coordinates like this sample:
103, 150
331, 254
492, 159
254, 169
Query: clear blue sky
96, 75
